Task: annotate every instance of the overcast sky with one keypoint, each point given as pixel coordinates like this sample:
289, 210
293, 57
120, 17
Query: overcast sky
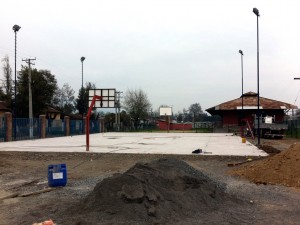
179, 52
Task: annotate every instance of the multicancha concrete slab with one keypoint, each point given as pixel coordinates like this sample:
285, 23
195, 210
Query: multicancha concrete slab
142, 143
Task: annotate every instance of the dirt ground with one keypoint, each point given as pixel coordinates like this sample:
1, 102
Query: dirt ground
143, 189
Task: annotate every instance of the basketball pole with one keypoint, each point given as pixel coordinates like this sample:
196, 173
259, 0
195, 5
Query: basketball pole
107, 99
96, 97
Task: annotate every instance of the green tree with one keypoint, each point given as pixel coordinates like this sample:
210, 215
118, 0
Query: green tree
136, 104
64, 99
43, 86
82, 101
7, 86
195, 111
109, 120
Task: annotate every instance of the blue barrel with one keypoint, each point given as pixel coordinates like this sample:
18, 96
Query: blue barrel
57, 175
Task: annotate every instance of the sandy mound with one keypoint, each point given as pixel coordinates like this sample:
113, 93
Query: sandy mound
161, 191
282, 168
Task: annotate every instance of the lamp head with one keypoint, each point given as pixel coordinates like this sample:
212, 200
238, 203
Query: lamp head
241, 52
16, 28
256, 12
82, 59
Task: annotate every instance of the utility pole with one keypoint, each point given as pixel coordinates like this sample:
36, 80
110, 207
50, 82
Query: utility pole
28, 61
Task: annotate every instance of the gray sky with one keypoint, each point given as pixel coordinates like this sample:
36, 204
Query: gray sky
179, 52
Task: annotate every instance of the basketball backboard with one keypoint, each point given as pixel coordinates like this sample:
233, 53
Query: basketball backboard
165, 111
108, 97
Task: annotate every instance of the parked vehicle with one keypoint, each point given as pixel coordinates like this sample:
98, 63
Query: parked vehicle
269, 128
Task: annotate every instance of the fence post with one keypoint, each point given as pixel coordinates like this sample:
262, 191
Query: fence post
43, 126
8, 128
101, 125
67, 125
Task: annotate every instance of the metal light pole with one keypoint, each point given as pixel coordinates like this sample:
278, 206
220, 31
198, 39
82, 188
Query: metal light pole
241, 52
16, 28
82, 59
256, 12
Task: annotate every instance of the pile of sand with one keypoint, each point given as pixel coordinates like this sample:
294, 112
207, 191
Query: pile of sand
282, 168
161, 191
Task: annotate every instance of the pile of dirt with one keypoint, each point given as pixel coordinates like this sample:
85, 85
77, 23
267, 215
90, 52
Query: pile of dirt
160, 191
282, 168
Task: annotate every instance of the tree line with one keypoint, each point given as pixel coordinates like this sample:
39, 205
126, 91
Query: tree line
46, 92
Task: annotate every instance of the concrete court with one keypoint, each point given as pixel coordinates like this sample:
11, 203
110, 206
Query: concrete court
145, 143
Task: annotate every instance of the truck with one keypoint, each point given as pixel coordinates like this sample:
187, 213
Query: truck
269, 128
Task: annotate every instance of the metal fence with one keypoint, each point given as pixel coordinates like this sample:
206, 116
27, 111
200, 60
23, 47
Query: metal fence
76, 127
21, 127
2, 129
145, 127
57, 128
201, 125
94, 126
54, 128
293, 127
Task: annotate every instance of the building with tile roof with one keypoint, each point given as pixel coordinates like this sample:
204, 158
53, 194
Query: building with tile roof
232, 113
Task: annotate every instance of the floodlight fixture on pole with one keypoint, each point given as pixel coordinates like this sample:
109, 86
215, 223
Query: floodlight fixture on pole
256, 12
83, 108
15, 28
241, 52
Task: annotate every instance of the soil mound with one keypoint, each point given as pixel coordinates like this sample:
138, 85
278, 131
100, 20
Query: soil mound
160, 191
282, 168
